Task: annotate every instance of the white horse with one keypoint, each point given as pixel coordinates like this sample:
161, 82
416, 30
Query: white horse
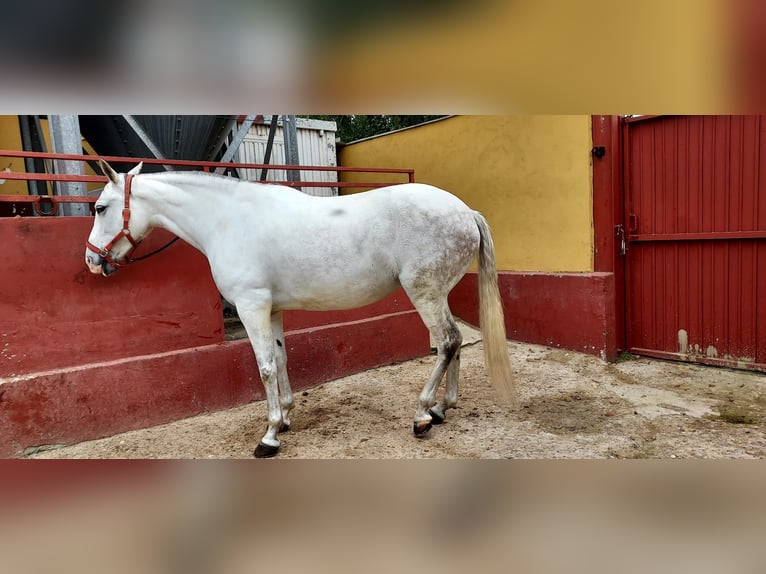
273, 248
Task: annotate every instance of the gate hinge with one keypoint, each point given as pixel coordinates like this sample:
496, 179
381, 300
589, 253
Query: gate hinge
598, 151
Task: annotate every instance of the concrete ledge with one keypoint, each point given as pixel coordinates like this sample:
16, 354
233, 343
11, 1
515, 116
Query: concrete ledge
69, 405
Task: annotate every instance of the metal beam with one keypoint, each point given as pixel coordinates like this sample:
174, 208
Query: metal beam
146, 139
269, 145
65, 138
30, 165
230, 125
239, 137
47, 163
289, 125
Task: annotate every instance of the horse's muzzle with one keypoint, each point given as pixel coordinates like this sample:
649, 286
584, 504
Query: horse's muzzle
97, 265
94, 262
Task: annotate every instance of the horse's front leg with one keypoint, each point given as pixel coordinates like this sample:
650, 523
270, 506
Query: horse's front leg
257, 321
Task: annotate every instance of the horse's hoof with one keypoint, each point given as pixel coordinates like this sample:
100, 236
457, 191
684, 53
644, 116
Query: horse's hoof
265, 450
436, 418
285, 427
420, 428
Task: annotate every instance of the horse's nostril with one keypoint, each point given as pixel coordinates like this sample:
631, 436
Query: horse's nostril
107, 269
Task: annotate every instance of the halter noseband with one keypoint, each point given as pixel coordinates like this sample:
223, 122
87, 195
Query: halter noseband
104, 252
125, 232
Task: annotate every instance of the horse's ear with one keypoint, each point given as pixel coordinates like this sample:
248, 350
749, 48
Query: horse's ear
108, 171
136, 170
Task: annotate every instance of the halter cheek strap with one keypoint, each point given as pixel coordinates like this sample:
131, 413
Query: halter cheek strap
105, 251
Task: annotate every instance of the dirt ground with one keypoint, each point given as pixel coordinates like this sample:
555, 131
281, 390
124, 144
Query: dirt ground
571, 405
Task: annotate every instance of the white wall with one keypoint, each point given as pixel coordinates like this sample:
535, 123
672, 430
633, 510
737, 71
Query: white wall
316, 146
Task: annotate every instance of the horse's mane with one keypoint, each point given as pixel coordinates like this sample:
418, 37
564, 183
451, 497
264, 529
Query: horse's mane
201, 178
177, 174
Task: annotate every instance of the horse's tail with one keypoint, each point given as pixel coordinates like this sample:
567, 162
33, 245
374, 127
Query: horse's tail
491, 318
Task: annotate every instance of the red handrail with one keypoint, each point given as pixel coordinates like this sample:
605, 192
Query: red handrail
207, 166
202, 164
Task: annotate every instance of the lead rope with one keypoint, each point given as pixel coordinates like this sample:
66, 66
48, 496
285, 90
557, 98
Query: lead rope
155, 252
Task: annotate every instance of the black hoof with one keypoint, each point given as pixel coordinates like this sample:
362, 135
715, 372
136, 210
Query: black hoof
265, 450
284, 427
436, 418
421, 428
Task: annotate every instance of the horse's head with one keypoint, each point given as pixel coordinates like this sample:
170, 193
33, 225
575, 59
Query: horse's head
120, 223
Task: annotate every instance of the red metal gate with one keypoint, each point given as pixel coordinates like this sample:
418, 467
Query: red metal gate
695, 198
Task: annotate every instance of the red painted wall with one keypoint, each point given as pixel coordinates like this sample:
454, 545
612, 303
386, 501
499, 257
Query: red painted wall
608, 209
54, 313
570, 310
84, 356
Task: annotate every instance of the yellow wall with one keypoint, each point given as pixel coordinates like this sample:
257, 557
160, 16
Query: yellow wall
10, 139
529, 175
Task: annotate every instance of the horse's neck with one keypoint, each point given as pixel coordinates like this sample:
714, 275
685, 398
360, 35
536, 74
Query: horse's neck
186, 208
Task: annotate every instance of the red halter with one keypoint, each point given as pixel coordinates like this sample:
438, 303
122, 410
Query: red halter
124, 232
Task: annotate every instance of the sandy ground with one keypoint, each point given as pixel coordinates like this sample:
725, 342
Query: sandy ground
571, 405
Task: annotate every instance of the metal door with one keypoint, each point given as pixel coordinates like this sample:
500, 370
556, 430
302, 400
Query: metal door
695, 198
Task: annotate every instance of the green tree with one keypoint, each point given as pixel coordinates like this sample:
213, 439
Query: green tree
355, 127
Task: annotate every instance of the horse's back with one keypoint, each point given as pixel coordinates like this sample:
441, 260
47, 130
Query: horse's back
423, 196
431, 213
346, 251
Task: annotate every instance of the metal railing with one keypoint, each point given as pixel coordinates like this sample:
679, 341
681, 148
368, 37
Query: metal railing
53, 201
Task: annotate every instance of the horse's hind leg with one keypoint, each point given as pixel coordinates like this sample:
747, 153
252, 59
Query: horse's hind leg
438, 412
286, 400
447, 337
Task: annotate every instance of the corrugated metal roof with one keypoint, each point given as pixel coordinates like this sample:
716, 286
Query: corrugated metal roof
186, 137
177, 137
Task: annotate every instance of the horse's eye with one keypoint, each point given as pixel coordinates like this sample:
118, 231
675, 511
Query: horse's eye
100, 208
